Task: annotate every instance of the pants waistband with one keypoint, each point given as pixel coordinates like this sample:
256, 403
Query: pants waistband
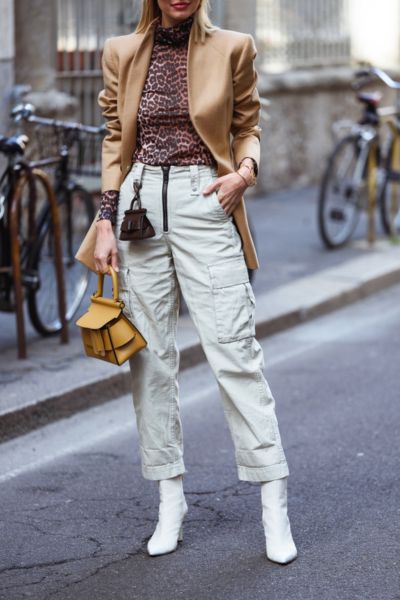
165, 172
192, 169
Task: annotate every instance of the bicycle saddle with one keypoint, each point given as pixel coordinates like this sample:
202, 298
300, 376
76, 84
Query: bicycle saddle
13, 145
371, 98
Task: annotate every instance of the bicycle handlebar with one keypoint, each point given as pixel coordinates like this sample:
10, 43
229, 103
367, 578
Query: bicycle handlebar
387, 80
25, 112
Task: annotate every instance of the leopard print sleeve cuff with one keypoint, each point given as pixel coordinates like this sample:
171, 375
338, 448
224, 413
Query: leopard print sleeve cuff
109, 206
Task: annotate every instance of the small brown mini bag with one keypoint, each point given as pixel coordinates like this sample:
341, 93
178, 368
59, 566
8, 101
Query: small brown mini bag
136, 225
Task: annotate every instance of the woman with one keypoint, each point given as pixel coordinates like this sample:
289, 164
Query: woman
174, 91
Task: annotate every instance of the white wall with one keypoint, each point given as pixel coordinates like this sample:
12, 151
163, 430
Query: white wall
240, 15
375, 31
7, 53
7, 29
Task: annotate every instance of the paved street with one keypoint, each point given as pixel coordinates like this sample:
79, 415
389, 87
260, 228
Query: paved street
76, 512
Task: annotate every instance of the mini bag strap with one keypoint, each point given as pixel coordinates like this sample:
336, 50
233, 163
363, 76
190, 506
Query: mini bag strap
136, 197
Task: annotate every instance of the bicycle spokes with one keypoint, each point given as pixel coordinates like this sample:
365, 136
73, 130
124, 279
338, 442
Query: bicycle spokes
341, 193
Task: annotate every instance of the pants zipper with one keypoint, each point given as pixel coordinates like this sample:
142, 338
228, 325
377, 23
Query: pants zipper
165, 169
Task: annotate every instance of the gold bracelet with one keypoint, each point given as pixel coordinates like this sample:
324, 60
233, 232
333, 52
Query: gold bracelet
252, 182
252, 173
251, 169
244, 179
253, 164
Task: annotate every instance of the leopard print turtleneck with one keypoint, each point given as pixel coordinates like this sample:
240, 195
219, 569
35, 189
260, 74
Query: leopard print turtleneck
165, 132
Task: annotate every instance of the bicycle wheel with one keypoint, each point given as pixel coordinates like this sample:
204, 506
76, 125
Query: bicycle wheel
390, 192
341, 195
76, 214
27, 203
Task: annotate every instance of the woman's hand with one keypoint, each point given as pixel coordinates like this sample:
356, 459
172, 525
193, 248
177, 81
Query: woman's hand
105, 251
230, 190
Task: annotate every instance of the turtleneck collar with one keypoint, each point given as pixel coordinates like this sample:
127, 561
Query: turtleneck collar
177, 35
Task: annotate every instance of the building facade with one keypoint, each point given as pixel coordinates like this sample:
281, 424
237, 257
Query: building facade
307, 51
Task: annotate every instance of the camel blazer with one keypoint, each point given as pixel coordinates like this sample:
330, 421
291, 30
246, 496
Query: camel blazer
224, 107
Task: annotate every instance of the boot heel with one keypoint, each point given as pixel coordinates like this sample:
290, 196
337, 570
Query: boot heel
180, 534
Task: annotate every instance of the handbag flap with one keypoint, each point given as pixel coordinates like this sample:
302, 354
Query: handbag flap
98, 315
134, 220
122, 332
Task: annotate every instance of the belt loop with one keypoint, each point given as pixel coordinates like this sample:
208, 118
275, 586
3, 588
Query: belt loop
194, 179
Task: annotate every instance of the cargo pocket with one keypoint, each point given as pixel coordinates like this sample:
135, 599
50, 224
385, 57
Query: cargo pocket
234, 301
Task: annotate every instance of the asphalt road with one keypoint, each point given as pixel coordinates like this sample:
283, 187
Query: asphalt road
76, 513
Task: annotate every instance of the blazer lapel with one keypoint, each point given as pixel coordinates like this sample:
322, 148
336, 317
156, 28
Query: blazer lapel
206, 81
135, 81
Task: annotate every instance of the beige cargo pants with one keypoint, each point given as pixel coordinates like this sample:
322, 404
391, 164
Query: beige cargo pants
198, 247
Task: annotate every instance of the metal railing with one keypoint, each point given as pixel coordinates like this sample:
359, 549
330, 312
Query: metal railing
82, 29
302, 33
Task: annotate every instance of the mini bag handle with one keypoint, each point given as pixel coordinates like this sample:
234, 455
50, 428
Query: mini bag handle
136, 197
135, 224
100, 284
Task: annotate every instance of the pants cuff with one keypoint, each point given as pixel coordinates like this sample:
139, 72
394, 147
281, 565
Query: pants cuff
163, 471
276, 471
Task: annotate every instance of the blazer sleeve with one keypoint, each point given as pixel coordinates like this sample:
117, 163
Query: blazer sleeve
107, 99
246, 108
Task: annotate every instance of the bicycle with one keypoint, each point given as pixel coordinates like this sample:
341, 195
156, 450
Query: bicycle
355, 175
388, 201
19, 234
69, 144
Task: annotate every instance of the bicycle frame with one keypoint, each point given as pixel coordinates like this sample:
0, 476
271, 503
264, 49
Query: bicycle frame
393, 122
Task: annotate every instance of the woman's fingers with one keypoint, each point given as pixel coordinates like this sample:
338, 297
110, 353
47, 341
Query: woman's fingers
215, 185
211, 187
114, 259
231, 182
102, 265
105, 252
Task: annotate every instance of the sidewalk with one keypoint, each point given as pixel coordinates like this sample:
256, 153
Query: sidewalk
298, 280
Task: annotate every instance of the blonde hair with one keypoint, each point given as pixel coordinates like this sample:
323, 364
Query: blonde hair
201, 21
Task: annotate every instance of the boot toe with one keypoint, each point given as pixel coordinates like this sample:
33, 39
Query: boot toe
283, 557
154, 550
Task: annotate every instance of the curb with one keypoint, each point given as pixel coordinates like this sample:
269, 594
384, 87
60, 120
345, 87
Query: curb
285, 307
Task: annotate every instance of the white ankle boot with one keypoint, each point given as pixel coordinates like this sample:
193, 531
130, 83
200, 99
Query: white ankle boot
172, 510
279, 542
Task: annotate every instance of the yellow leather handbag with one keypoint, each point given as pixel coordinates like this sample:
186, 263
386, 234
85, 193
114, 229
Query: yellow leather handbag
107, 333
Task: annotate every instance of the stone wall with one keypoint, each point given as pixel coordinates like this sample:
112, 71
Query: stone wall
240, 16
296, 139
35, 43
35, 57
